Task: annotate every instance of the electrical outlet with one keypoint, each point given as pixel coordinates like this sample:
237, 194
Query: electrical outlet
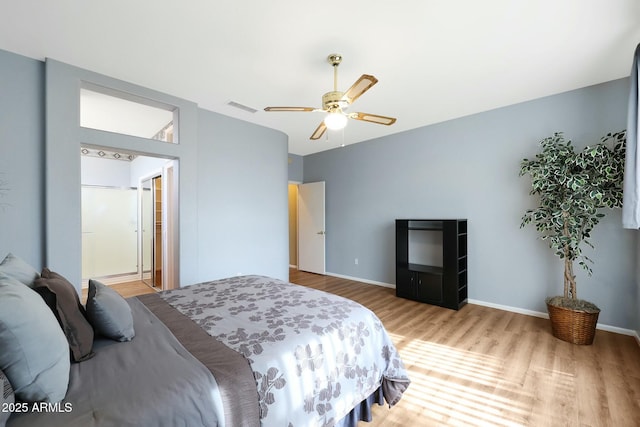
355, 261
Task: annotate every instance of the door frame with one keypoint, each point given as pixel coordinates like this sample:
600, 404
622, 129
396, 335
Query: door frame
171, 253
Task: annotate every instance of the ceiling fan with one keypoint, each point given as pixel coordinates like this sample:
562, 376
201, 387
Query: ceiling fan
335, 103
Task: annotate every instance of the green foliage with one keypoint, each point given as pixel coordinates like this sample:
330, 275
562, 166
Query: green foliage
573, 187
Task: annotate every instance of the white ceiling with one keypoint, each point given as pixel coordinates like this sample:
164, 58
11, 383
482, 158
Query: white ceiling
435, 60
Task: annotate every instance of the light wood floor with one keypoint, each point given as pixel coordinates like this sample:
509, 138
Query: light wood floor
486, 367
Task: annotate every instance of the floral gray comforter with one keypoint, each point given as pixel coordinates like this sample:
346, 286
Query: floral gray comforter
314, 355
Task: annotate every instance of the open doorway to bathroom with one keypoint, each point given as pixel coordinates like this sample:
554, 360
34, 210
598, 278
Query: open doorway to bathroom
151, 213
129, 212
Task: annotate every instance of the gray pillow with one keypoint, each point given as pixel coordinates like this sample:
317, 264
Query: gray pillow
7, 398
109, 313
35, 352
16, 268
62, 298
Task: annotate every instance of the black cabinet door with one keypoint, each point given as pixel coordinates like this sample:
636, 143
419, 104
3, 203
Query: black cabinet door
405, 283
429, 287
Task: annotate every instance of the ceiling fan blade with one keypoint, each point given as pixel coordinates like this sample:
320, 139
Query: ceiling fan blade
320, 130
363, 84
302, 109
373, 118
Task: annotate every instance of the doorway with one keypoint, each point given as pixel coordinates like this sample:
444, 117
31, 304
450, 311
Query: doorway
125, 197
151, 213
293, 225
307, 227
158, 209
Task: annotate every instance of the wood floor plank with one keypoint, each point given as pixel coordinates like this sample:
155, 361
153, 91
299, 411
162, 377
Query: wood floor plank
486, 367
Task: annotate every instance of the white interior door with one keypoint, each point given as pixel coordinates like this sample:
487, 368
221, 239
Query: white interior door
311, 227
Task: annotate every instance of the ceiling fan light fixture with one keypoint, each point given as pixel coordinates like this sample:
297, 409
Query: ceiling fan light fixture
335, 121
335, 103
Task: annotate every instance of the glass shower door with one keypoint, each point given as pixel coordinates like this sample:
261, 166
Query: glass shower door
109, 246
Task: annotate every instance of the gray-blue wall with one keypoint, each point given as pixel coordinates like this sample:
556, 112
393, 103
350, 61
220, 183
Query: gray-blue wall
468, 168
242, 198
42, 168
21, 157
296, 166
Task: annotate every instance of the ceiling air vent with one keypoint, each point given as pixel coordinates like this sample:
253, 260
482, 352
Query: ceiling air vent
242, 107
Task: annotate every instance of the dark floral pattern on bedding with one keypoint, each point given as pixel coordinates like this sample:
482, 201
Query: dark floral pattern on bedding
296, 339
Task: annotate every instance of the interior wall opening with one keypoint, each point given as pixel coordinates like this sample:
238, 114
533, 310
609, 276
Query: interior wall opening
129, 210
124, 113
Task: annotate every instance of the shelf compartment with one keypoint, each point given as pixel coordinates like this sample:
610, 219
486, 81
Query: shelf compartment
431, 269
462, 244
462, 263
424, 225
425, 246
462, 295
462, 278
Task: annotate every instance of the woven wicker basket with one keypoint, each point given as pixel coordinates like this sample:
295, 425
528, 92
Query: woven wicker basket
577, 327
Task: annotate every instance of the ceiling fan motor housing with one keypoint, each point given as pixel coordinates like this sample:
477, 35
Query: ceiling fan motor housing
332, 101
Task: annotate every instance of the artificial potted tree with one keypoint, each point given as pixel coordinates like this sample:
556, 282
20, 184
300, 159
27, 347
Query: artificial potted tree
573, 188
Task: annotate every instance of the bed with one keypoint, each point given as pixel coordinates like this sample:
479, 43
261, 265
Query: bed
241, 351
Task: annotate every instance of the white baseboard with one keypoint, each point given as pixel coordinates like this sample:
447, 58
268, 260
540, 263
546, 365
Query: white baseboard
509, 308
543, 315
518, 310
358, 279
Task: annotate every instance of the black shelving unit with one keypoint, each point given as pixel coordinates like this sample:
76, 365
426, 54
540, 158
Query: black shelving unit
444, 285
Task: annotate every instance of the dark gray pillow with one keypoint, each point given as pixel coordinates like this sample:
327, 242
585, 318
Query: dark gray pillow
109, 313
15, 267
35, 352
6, 398
63, 300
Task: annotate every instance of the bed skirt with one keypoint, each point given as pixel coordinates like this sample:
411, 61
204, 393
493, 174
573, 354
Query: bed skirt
362, 411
